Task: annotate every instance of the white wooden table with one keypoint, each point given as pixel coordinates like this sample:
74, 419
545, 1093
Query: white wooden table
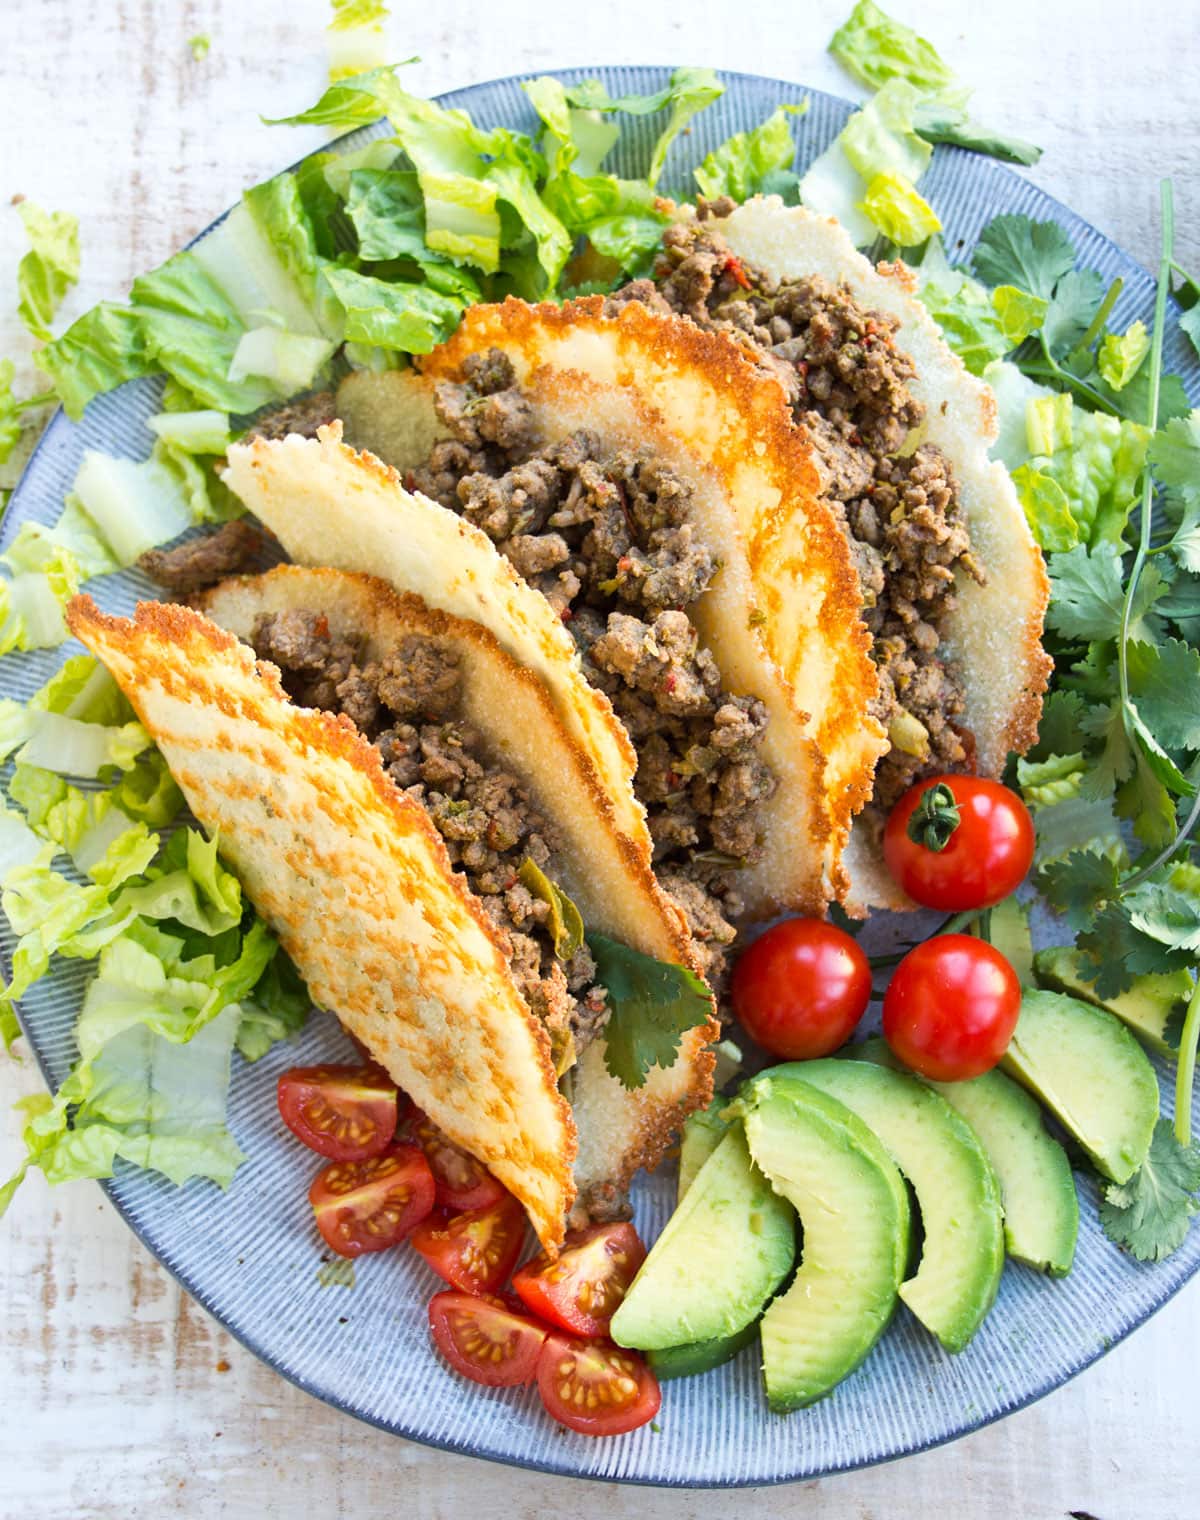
120, 1397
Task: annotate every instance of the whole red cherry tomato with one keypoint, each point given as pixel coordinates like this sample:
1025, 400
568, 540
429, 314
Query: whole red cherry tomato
959, 842
801, 988
951, 1007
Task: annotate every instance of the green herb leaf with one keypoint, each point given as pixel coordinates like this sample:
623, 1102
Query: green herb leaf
1150, 1214
1076, 299
1088, 591
49, 269
1189, 324
939, 121
653, 1006
1165, 682
566, 923
1016, 250
1079, 886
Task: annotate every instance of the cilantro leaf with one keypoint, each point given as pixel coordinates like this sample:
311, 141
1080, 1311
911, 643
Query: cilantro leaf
1060, 731
1079, 886
1016, 250
1175, 458
1117, 951
653, 1005
1189, 324
1076, 300
1150, 1214
1165, 681
1116, 760
1087, 593
1165, 913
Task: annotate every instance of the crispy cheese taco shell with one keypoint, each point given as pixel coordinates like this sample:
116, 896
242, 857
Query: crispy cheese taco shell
993, 637
619, 1130
353, 877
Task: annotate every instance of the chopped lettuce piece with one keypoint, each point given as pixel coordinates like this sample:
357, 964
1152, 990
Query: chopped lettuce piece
347, 103
1013, 392
43, 577
202, 432
135, 506
355, 37
690, 90
1046, 509
1097, 462
70, 747
49, 269
749, 163
271, 236
1121, 357
876, 49
832, 186
99, 351
1048, 422
288, 361
897, 208
1019, 312
880, 139
82, 688
394, 314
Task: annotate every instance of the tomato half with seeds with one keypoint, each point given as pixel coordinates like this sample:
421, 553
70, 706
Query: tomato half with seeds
462, 1182
485, 1340
344, 1112
595, 1387
475, 1252
583, 1289
363, 1206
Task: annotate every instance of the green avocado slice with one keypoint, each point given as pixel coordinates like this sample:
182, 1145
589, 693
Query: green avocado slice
1037, 1190
703, 1131
962, 1255
724, 1251
1091, 1074
854, 1212
1148, 1007
700, 1356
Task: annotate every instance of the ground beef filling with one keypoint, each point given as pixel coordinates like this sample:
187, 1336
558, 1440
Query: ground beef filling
848, 384
407, 705
607, 539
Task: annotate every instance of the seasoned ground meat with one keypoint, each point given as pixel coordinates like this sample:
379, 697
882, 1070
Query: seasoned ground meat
608, 539
304, 415
849, 385
407, 704
235, 548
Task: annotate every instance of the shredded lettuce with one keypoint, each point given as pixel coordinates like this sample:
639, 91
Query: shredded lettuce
185, 971
42, 576
356, 38
894, 205
101, 350
1121, 356
134, 506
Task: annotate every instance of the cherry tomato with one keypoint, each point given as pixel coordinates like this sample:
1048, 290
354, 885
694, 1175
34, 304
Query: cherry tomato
801, 988
595, 1387
987, 855
484, 1340
344, 1112
462, 1182
583, 1289
475, 1252
369, 1205
951, 1007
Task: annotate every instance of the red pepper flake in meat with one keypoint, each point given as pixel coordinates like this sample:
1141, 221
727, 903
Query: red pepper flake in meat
566, 614
670, 681
733, 268
625, 563
410, 480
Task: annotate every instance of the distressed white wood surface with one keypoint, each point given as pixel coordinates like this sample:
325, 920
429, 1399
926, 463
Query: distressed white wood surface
120, 1397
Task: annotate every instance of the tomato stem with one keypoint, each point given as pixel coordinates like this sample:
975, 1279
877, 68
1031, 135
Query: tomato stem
957, 923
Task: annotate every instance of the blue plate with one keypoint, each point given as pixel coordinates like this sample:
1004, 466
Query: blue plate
251, 1258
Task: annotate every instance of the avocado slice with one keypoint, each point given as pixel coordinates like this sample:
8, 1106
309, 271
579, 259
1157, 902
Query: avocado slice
700, 1356
703, 1131
1041, 1207
724, 1251
854, 1211
1147, 1007
962, 1255
1091, 1074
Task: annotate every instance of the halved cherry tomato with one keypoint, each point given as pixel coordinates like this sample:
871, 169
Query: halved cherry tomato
951, 1007
344, 1112
475, 1252
800, 988
485, 1340
583, 1289
462, 1182
369, 1205
595, 1387
986, 855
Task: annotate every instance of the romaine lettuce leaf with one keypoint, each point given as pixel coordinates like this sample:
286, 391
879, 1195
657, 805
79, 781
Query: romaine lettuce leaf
751, 163
49, 269
134, 506
99, 351
895, 206
395, 314
690, 90
1121, 355
355, 37
877, 49
42, 576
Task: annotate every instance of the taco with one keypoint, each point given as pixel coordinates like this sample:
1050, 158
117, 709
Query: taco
406, 811
953, 588
654, 514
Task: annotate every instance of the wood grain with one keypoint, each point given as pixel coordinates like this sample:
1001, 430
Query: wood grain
123, 1399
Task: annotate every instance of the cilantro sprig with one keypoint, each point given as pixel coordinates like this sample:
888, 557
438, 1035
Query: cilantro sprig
653, 1005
